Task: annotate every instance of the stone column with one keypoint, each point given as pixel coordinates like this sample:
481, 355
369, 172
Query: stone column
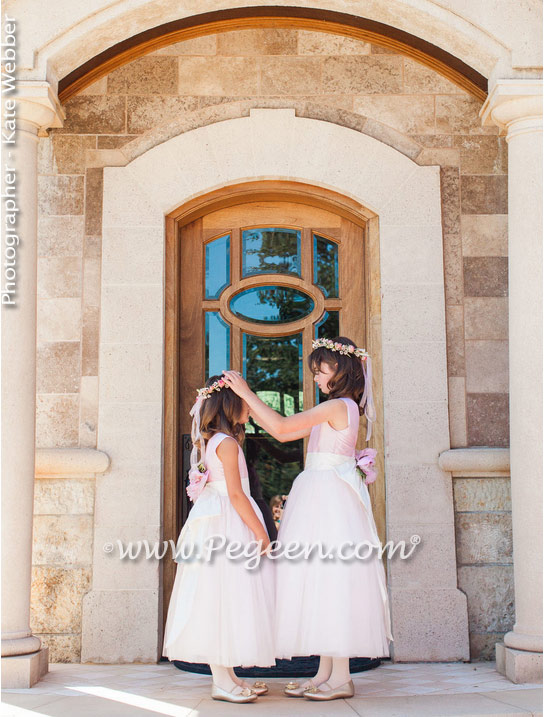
24, 661
516, 107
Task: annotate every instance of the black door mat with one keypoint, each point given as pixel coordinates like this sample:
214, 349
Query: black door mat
296, 667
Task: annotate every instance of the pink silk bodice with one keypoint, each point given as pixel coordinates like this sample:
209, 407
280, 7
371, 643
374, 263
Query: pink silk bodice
325, 439
213, 463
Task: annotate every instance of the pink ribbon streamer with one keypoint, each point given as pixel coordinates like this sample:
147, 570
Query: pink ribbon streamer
367, 400
197, 479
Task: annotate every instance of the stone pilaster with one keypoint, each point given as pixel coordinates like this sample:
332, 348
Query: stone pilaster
516, 107
24, 660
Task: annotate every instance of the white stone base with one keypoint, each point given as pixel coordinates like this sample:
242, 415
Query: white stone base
121, 626
23, 671
431, 625
519, 666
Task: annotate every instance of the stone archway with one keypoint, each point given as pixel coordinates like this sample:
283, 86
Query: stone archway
274, 144
357, 27
89, 34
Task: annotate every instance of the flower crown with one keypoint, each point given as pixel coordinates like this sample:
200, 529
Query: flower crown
208, 390
346, 349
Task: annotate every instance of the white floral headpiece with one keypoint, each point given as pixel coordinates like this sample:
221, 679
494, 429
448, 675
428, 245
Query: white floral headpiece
349, 350
346, 349
206, 391
198, 466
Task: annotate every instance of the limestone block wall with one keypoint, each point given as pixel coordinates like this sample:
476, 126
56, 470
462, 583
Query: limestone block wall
197, 82
345, 81
483, 526
61, 561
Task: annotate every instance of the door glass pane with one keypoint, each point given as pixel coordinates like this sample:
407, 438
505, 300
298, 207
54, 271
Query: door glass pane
217, 347
271, 304
327, 328
217, 266
272, 366
270, 251
326, 265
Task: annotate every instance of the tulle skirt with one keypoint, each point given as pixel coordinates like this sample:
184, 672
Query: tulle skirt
330, 606
220, 612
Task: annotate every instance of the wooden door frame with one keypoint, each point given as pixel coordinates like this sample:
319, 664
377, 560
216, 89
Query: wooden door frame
266, 190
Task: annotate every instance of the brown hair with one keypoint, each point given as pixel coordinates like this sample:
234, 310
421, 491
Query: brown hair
275, 500
221, 412
348, 380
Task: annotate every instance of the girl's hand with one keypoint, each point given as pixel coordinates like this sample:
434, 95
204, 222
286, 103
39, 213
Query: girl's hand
264, 540
239, 385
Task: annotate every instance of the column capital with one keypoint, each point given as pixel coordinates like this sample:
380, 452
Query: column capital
515, 106
38, 105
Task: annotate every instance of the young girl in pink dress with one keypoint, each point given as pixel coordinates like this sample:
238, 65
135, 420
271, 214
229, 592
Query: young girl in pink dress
336, 608
220, 612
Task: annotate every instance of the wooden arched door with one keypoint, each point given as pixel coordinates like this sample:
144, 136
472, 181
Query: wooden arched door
257, 280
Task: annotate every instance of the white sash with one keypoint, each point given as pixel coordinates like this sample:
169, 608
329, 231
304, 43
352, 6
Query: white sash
345, 468
208, 504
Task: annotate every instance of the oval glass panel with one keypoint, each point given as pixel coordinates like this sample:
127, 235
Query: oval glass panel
271, 304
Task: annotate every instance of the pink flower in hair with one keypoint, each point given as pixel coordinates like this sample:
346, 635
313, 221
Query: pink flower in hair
365, 461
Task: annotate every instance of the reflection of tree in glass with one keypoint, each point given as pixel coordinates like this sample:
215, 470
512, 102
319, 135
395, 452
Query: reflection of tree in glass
274, 365
287, 304
326, 265
327, 329
271, 251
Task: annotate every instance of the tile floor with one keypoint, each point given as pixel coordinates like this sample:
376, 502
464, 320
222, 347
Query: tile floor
391, 690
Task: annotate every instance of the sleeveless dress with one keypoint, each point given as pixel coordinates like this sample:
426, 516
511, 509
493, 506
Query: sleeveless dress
220, 612
331, 606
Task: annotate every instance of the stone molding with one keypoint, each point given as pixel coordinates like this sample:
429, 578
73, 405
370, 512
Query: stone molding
38, 104
70, 462
515, 106
476, 462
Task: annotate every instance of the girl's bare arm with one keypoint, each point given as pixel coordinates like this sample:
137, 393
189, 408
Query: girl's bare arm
227, 452
333, 411
285, 437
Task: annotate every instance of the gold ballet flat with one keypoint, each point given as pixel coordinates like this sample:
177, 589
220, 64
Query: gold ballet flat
293, 689
246, 695
260, 688
346, 690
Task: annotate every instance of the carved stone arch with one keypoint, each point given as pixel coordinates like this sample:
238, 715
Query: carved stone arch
192, 119
434, 35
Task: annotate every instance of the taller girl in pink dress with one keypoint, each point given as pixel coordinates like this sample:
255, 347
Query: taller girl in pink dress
333, 607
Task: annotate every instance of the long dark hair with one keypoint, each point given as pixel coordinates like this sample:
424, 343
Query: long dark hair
220, 413
348, 379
